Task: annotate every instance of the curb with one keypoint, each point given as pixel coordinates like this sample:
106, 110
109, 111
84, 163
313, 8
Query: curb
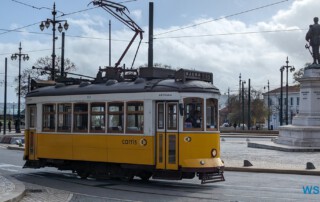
15, 148
18, 193
270, 170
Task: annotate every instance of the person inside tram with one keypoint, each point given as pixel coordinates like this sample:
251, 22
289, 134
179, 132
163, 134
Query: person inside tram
194, 119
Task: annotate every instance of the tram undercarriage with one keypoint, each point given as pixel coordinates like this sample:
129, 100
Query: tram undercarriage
125, 172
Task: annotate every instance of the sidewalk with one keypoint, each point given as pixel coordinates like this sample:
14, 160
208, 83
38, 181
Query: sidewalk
234, 150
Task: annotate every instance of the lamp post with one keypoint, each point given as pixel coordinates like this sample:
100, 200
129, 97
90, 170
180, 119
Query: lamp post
268, 105
243, 82
46, 24
239, 98
287, 100
281, 96
14, 57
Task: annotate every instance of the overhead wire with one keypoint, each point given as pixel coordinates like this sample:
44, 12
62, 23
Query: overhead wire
224, 17
234, 33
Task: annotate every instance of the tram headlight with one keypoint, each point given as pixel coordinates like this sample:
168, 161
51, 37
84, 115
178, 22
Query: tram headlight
214, 153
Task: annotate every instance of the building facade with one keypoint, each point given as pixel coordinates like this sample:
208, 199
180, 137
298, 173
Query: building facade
292, 103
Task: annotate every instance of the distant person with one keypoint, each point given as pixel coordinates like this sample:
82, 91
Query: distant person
0, 126
313, 37
235, 126
9, 126
16, 123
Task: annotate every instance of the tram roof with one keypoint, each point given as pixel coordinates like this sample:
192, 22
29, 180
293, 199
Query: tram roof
139, 85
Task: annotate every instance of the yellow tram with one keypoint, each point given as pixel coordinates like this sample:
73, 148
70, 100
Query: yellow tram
150, 122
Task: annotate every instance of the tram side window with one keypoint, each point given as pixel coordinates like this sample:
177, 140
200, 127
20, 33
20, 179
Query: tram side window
64, 117
32, 116
97, 120
49, 111
193, 116
134, 117
212, 114
80, 117
115, 117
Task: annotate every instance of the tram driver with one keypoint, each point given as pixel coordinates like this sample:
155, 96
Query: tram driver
194, 119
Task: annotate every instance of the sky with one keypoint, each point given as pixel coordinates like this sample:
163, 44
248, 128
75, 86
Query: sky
226, 37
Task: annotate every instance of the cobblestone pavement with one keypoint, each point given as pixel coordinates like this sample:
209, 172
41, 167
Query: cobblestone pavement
36, 193
6, 187
234, 151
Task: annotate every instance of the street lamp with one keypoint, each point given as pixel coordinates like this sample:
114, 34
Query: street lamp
291, 70
243, 82
281, 96
14, 57
268, 105
46, 24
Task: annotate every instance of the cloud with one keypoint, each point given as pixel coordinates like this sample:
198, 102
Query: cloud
226, 47
137, 14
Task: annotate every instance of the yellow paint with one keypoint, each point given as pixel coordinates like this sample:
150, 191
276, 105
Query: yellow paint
128, 149
199, 148
26, 143
54, 146
102, 148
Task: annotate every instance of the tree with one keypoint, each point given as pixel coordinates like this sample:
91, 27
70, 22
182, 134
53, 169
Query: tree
298, 74
258, 110
43, 66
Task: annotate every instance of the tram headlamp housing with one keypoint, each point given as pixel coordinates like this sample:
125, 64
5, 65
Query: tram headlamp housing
214, 153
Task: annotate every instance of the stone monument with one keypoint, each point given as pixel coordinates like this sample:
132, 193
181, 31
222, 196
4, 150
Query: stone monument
305, 128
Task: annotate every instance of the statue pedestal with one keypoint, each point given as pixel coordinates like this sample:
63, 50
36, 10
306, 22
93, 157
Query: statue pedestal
305, 128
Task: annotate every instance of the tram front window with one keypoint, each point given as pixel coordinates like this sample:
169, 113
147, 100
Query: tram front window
212, 114
193, 116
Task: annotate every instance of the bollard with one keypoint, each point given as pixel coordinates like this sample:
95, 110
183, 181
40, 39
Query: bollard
310, 166
246, 163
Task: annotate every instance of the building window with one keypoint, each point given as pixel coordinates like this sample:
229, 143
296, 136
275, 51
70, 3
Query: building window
97, 120
64, 117
49, 111
80, 112
193, 114
115, 117
212, 114
135, 117
298, 100
291, 101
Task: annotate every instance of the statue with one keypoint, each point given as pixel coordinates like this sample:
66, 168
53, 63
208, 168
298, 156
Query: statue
313, 37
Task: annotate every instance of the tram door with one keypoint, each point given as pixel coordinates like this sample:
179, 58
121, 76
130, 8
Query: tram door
30, 138
167, 135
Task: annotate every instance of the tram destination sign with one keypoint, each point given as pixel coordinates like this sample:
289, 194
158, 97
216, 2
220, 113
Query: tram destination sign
184, 75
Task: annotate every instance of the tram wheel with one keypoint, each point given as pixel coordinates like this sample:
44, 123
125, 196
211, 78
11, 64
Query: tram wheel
145, 176
127, 178
83, 174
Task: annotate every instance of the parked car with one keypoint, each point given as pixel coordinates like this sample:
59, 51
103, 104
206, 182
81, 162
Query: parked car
225, 125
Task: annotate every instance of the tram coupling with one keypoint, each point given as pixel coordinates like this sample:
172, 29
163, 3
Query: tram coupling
211, 177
